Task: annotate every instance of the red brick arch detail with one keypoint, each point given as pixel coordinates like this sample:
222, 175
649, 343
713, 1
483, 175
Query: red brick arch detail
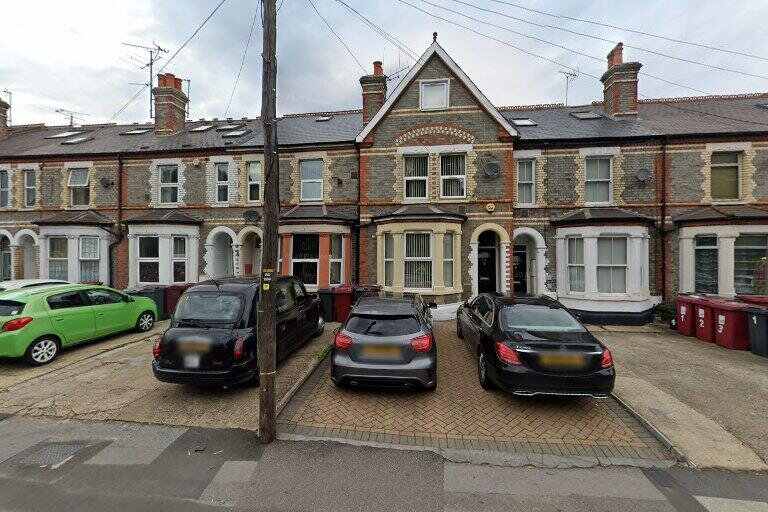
434, 134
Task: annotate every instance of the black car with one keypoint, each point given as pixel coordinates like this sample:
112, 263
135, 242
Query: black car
386, 342
212, 337
534, 346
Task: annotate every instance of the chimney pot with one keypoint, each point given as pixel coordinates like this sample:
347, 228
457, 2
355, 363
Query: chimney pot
378, 68
616, 56
4, 107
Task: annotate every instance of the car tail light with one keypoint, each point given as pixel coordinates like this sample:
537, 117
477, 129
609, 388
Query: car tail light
342, 341
157, 351
422, 343
507, 354
16, 323
607, 359
239, 348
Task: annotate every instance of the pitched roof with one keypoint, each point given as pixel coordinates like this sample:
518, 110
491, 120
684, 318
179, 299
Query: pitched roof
601, 214
420, 211
76, 217
721, 212
435, 49
315, 212
160, 216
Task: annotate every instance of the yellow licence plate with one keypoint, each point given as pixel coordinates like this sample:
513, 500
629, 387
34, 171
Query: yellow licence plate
561, 360
378, 352
194, 346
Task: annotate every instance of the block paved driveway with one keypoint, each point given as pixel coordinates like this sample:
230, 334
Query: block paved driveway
461, 415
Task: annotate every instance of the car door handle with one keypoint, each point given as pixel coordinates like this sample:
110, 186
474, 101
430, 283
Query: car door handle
59, 319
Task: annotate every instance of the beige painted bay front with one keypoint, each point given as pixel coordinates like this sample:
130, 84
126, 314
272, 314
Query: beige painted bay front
422, 257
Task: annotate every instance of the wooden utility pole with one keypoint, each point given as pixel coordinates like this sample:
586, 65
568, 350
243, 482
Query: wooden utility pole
266, 329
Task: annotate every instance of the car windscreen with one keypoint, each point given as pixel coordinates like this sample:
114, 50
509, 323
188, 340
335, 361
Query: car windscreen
10, 307
531, 317
209, 307
374, 325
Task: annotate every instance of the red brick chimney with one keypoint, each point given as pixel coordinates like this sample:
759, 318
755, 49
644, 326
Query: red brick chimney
4, 129
374, 91
620, 84
170, 105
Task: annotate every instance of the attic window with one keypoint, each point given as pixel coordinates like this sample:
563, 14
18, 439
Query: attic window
524, 122
137, 131
236, 133
77, 140
433, 94
226, 127
586, 115
201, 128
322, 119
63, 135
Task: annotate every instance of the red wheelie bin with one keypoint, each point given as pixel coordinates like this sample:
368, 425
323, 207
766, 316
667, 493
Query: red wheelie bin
684, 311
731, 328
705, 325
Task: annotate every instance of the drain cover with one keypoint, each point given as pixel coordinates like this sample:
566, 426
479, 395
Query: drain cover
51, 454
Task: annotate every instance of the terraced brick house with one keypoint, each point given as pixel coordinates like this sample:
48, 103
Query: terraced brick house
611, 207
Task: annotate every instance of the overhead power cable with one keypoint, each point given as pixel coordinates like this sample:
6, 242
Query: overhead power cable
383, 33
634, 47
633, 31
507, 43
346, 47
571, 50
170, 59
242, 61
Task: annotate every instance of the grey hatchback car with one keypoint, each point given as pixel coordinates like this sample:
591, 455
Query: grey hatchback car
386, 342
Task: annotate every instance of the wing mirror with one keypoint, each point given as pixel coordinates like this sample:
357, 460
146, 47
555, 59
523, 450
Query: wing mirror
432, 305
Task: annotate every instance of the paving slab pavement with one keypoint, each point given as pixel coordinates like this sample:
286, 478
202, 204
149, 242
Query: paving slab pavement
711, 403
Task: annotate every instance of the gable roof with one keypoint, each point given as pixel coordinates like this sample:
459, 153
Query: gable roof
436, 49
77, 218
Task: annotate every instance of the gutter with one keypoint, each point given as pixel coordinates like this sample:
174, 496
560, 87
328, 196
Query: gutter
119, 222
664, 276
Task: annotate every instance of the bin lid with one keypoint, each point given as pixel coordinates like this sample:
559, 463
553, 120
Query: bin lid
729, 305
342, 289
754, 299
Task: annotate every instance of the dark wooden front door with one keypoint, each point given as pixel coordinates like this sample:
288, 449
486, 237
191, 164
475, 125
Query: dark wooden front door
486, 269
520, 269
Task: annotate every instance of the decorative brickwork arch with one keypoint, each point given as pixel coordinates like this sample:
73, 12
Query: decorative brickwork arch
501, 255
434, 134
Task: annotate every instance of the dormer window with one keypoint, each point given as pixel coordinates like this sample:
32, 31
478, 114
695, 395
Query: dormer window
433, 94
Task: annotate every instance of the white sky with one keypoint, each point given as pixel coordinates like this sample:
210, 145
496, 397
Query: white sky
69, 54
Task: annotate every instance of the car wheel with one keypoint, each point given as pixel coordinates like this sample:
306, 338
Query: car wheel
42, 351
320, 326
459, 332
145, 321
482, 371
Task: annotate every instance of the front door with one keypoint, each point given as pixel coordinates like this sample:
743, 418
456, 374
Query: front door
520, 269
486, 269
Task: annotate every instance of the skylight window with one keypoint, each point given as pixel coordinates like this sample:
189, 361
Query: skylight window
322, 119
137, 131
236, 133
201, 128
77, 140
524, 122
64, 135
586, 115
226, 127
762, 105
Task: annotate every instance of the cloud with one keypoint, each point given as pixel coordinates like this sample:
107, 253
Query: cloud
69, 55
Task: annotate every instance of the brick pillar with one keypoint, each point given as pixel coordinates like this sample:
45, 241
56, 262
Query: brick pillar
285, 251
17, 262
325, 249
121, 266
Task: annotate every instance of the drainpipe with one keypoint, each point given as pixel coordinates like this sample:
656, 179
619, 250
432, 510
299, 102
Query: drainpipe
664, 276
119, 222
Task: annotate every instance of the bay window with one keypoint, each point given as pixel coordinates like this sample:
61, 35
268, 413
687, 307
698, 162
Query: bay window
448, 260
89, 259
149, 259
335, 260
724, 175
576, 271
58, 258
418, 260
751, 264
598, 180
416, 171
79, 187
612, 265
525, 182
706, 264
311, 188
306, 258
453, 179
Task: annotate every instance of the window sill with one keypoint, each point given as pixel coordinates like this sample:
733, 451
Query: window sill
79, 207
597, 205
169, 205
527, 205
414, 200
453, 198
728, 201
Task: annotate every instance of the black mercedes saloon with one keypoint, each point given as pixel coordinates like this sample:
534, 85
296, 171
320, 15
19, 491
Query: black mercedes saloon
534, 346
212, 337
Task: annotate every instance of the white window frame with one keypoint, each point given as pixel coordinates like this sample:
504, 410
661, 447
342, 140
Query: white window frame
451, 260
81, 258
140, 260
447, 96
739, 166
180, 259
716, 248
169, 184
332, 260
221, 183
64, 259
736, 248
389, 260
259, 182
609, 180
569, 265
316, 261
611, 266
430, 259
311, 180
406, 179
532, 181
444, 178
86, 186
28, 188
6, 191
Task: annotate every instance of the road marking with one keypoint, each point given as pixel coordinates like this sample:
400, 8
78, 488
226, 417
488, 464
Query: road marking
57, 466
714, 504
228, 482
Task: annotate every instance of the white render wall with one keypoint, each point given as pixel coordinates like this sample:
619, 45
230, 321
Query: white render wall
165, 232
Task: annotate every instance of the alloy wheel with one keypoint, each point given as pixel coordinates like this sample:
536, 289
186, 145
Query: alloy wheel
145, 322
44, 351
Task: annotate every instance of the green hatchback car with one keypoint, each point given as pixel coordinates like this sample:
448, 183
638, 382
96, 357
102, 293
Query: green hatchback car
37, 323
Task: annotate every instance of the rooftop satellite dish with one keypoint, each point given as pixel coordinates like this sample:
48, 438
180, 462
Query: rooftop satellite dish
643, 175
492, 169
